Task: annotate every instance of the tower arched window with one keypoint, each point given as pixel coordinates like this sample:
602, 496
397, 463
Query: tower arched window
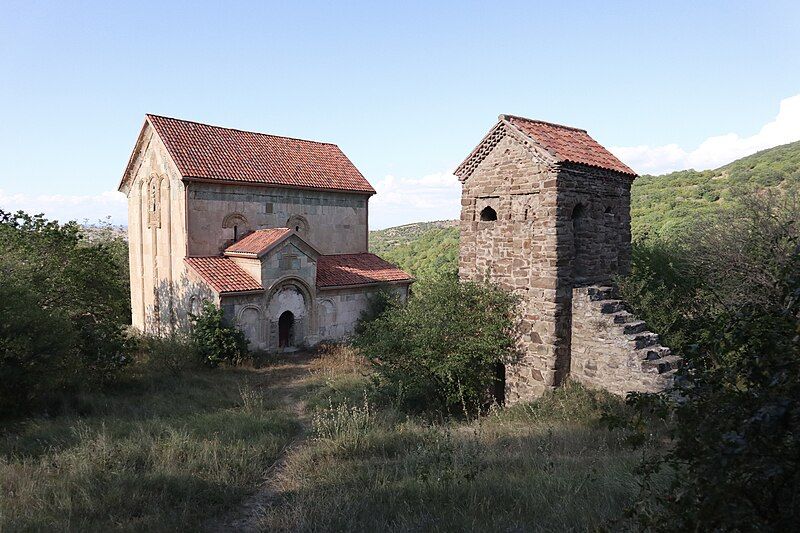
488, 214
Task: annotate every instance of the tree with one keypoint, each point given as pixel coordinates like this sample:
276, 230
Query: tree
736, 433
216, 341
64, 308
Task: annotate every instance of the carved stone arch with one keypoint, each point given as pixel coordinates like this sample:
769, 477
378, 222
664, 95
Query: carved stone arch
233, 218
308, 320
253, 329
298, 223
291, 280
237, 224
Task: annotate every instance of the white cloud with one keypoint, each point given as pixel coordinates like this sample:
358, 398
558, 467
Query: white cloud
405, 200
91, 208
718, 150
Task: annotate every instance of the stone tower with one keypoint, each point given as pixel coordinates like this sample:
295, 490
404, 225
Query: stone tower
545, 212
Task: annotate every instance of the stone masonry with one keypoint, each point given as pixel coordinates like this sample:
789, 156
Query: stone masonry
545, 213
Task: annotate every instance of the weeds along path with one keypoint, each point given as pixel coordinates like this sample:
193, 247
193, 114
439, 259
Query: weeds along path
284, 384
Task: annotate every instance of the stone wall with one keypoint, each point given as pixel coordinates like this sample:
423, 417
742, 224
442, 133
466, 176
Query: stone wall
558, 226
595, 224
322, 315
156, 238
519, 252
333, 222
338, 310
613, 350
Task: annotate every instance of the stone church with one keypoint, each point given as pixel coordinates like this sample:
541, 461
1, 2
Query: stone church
274, 230
545, 213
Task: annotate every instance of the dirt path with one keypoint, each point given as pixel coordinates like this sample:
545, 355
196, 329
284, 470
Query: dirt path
285, 382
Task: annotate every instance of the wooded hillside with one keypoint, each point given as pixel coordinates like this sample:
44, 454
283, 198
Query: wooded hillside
661, 207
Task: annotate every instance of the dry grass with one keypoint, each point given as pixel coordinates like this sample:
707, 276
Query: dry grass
173, 452
163, 453
551, 465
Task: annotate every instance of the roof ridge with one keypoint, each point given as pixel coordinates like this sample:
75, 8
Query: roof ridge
148, 115
556, 124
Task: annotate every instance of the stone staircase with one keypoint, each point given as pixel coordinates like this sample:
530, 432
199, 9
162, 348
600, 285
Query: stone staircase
614, 350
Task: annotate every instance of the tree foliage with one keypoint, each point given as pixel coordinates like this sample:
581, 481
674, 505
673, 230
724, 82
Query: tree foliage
423, 250
441, 348
63, 305
731, 305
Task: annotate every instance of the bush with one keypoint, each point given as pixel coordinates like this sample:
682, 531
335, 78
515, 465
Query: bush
442, 348
736, 436
216, 341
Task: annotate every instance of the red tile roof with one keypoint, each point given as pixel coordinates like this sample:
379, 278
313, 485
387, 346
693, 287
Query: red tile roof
568, 144
216, 153
223, 275
259, 241
356, 269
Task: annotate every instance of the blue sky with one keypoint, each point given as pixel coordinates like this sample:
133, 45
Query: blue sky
405, 89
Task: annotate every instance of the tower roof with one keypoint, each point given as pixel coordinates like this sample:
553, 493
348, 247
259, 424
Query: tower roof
556, 142
569, 144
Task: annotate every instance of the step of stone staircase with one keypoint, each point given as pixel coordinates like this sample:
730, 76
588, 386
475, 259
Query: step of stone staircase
662, 364
636, 326
622, 317
643, 340
601, 293
651, 353
609, 307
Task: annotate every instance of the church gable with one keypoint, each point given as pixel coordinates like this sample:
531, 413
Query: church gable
149, 158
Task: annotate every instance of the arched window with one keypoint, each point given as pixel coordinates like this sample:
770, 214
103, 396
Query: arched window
488, 214
236, 222
299, 224
154, 203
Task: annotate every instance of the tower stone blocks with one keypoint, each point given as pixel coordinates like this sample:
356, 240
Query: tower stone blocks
538, 221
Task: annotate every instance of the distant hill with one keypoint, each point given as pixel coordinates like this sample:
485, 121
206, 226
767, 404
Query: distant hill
420, 249
661, 206
104, 232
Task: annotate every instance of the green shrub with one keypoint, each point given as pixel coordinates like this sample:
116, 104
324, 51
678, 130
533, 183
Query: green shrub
736, 437
440, 350
215, 340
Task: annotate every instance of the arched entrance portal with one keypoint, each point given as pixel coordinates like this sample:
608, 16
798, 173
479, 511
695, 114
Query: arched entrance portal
286, 329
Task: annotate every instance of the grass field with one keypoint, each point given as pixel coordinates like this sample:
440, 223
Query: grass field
159, 453
190, 451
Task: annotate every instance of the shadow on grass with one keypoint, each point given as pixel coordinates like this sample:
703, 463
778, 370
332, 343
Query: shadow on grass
453, 479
